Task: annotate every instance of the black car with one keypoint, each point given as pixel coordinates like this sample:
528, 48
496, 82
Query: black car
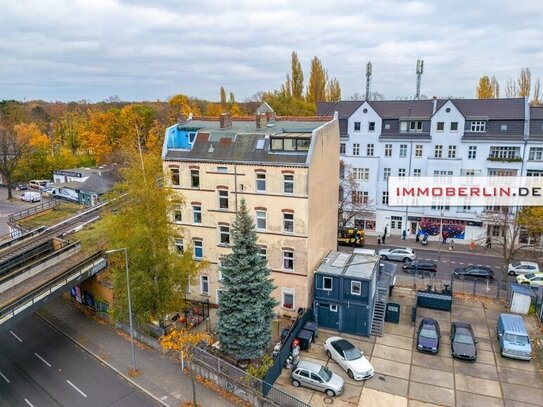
420, 265
474, 271
19, 187
428, 336
463, 343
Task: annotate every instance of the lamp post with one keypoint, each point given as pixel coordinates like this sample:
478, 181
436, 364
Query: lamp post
129, 303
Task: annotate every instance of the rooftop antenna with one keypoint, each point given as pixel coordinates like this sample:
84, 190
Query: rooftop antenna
420, 68
368, 80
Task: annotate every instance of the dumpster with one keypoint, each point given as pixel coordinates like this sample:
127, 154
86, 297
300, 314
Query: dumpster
393, 313
305, 338
313, 327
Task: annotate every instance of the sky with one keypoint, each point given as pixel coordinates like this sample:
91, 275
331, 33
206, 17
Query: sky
71, 50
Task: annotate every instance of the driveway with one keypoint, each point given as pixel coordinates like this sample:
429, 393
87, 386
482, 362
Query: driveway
406, 377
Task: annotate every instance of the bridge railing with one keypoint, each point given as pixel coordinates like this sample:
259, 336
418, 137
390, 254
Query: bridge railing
44, 206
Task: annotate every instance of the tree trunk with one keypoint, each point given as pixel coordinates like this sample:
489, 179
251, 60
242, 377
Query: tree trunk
8, 179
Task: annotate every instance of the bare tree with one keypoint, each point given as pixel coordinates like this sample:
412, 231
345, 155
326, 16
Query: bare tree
495, 87
352, 202
536, 100
524, 82
12, 147
511, 88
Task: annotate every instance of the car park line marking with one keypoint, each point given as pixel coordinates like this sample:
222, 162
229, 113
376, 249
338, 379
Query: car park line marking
75, 387
4, 377
15, 335
42, 359
29, 403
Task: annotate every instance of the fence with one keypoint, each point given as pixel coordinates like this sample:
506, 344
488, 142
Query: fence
238, 382
14, 217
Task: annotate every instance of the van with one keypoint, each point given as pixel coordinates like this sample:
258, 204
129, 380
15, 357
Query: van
38, 184
513, 337
31, 197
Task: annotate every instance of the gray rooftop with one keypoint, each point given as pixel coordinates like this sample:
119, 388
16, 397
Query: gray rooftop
99, 184
536, 113
359, 266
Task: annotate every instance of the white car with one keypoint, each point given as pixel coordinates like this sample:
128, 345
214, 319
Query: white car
31, 197
345, 354
404, 254
522, 267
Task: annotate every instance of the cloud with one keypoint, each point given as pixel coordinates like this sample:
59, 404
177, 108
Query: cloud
137, 49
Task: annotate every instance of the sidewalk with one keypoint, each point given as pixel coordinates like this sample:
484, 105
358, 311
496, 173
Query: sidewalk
161, 377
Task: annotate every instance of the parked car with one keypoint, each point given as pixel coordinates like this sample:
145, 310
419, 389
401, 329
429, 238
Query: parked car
522, 267
463, 343
428, 336
31, 197
317, 377
352, 360
531, 279
474, 271
18, 186
513, 337
420, 265
404, 254
38, 184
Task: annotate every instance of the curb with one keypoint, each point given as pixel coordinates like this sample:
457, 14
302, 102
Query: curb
124, 376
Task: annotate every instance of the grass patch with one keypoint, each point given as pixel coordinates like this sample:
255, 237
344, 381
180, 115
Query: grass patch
93, 237
61, 212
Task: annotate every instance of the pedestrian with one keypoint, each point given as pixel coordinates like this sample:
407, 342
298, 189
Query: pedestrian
384, 238
451, 247
385, 233
379, 240
404, 234
444, 235
472, 246
488, 243
417, 236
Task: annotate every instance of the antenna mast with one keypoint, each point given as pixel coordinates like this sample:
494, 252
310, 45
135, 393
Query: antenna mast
368, 80
420, 68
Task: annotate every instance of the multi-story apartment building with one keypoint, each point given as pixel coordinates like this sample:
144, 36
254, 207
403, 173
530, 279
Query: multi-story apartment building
438, 137
285, 169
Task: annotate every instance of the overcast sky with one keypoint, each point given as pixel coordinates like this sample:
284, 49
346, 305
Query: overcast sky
152, 49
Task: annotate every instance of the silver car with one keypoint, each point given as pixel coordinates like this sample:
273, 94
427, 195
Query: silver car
317, 377
404, 254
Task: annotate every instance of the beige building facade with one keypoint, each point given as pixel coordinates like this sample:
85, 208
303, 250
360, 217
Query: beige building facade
286, 169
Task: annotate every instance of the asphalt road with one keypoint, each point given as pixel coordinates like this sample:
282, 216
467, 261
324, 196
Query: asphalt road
40, 367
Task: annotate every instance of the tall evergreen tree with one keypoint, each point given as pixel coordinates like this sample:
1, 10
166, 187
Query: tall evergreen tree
333, 90
245, 306
297, 78
318, 77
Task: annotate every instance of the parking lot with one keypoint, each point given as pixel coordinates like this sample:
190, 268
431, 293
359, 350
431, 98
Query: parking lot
406, 377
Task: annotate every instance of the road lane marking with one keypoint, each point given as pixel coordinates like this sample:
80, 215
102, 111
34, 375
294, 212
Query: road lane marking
4, 377
29, 403
15, 335
453, 262
460, 262
75, 387
42, 359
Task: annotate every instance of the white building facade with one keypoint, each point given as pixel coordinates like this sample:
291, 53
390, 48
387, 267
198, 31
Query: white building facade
438, 137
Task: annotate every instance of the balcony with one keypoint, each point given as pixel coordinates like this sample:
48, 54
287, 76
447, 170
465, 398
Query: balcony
505, 159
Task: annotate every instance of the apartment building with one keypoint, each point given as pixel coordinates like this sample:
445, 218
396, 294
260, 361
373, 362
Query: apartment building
437, 137
285, 169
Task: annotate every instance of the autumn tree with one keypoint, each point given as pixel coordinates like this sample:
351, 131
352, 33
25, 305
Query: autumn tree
246, 305
352, 202
223, 99
12, 148
181, 105
36, 160
297, 77
318, 78
511, 88
333, 90
524, 82
536, 99
484, 88
287, 105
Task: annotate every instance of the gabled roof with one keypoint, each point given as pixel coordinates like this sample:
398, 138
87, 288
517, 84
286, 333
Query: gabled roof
264, 108
395, 109
493, 109
345, 108
98, 184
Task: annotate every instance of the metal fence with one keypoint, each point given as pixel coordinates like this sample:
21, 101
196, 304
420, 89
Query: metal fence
242, 379
14, 217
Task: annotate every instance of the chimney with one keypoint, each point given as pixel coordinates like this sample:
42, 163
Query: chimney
434, 107
258, 123
181, 119
270, 116
226, 120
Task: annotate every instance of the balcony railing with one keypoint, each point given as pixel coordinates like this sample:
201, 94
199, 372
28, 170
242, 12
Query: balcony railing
505, 159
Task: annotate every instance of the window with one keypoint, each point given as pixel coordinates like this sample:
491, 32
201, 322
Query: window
415, 126
388, 150
361, 174
466, 208
503, 127
179, 246
403, 127
370, 150
342, 148
260, 182
438, 152
356, 126
401, 172
288, 184
178, 214
386, 174
356, 149
417, 172
495, 230
504, 152
198, 249
499, 172
438, 173
454, 126
384, 199
440, 126
536, 154
288, 222
261, 220
263, 253
356, 288
204, 285
288, 260
403, 150
288, 302
371, 127
223, 199
360, 197
224, 235
534, 173
472, 152
174, 176
452, 152
478, 126
196, 214
418, 150
387, 126
195, 178
222, 169
396, 222
327, 283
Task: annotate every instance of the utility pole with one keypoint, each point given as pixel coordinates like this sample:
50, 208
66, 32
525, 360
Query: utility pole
420, 69
368, 80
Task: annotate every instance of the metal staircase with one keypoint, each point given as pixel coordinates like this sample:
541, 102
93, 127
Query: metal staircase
379, 310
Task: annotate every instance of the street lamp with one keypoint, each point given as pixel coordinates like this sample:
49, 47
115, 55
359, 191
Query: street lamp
129, 303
